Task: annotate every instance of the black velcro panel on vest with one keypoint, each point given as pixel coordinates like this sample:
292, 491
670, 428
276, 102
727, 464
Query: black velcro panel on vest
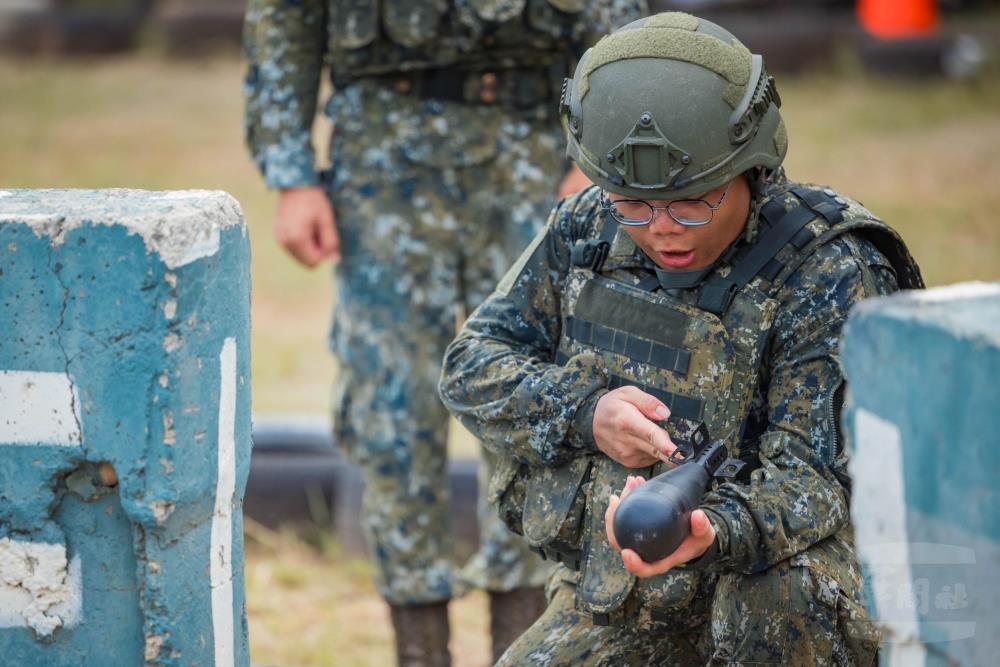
627, 344
685, 407
680, 406
784, 226
601, 304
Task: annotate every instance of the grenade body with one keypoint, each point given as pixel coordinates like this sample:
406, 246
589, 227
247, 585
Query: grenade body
656, 517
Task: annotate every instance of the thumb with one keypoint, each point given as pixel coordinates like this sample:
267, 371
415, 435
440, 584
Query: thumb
609, 519
651, 407
700, 525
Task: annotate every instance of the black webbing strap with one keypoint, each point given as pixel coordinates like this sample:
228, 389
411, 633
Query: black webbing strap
784, 227
649, 283
826, 203
570, 559
680, 406
591, 253
622, 342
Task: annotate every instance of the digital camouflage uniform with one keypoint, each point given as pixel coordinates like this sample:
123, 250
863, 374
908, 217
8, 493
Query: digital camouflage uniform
445, 158
781, 585
746, 347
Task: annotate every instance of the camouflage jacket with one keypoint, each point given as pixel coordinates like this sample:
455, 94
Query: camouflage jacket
287, 44
505, 379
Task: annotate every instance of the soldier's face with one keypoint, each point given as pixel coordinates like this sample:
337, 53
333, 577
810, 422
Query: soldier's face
676, 247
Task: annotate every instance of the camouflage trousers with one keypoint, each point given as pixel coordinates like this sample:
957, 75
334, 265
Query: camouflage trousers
433, 200
788, 615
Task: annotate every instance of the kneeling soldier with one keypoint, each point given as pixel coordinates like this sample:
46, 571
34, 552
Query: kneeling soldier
693, 285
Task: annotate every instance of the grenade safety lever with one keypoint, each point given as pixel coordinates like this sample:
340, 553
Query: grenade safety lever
656, 517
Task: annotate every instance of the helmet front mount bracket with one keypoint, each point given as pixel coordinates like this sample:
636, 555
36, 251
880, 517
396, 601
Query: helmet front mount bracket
646, 158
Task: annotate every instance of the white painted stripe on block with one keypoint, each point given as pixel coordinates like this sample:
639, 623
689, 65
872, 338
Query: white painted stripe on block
38, 589
880, 533
38, 408
221, 568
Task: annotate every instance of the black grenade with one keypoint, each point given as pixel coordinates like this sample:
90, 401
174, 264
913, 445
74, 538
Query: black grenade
655, 518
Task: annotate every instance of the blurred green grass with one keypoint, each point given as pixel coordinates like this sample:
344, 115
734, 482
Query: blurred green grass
923, 155
310, 604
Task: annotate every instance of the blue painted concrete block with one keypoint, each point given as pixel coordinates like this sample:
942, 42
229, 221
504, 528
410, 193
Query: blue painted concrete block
124, 427
924, 419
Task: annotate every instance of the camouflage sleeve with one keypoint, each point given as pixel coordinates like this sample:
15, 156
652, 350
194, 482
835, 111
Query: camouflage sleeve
801, 493
499, 378
284, 47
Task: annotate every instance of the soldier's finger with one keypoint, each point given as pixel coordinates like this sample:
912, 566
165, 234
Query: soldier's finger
630, 420
633, 482
305, 251
609, 519
640, 568
326, 237
650, 439
636, 452
648, 405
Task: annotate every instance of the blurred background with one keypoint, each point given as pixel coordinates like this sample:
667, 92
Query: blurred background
900, 113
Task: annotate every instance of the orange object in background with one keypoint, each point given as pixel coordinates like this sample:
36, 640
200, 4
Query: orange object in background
892, 19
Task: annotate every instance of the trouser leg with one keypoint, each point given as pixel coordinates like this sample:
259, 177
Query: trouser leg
563, 637
395, 315
805, 611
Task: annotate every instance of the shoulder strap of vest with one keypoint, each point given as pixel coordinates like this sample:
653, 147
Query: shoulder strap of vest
885, 239
591, 253
784, 226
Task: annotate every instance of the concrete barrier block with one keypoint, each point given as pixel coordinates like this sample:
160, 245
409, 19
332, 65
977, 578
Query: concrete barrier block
124, 427
924, 421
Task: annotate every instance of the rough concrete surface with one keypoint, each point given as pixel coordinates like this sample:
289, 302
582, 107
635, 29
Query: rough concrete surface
125, 427
923, 421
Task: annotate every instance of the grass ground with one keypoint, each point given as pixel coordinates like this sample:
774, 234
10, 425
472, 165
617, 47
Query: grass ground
308, 604
922, 155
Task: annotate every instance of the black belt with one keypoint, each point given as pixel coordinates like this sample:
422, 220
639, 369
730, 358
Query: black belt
514, 87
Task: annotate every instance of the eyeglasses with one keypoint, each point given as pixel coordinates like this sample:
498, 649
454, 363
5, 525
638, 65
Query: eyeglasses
638, 212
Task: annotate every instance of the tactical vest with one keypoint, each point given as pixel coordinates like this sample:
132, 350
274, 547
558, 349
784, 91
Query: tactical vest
703, 360
369, 38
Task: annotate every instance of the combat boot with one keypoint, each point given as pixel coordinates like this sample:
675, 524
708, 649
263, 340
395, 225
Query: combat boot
421, 635
512, 613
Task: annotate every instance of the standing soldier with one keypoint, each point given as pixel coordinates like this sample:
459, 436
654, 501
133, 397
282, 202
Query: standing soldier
446, 154
693, 286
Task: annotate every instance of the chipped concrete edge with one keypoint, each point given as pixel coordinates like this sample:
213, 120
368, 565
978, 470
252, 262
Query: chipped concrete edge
39, 588
181, 226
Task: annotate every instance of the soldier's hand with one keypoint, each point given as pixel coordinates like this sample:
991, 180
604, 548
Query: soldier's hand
305, 225
694, 545
625, 427
574, 181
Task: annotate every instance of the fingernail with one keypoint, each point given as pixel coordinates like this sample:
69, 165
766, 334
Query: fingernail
662, 412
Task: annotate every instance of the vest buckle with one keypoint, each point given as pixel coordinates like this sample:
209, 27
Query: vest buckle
590, 254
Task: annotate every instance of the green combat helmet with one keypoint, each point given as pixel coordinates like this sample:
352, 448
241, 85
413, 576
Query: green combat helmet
671, 106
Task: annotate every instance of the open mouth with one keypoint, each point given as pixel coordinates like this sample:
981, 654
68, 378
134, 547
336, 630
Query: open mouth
676, 260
